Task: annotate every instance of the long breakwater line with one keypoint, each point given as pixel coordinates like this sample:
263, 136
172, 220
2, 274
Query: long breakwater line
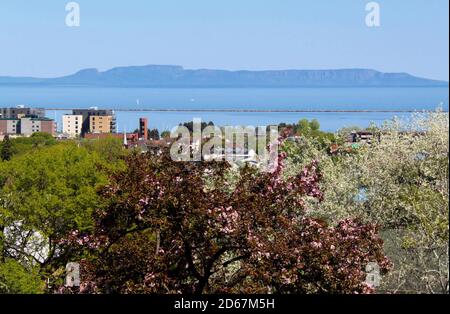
252, 110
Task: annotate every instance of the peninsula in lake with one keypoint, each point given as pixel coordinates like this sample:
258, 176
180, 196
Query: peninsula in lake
169, 76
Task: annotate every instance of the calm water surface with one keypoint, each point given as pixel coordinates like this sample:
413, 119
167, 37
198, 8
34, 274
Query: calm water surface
392, 99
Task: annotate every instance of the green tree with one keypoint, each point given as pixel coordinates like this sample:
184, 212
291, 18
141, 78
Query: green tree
17, 279
153, 134
314, 125
45, 194
303, 127
404, 179
6, 152
109, 149
24, 145
165, 134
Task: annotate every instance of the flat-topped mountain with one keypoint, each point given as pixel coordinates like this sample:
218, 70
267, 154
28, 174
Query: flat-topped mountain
177, 76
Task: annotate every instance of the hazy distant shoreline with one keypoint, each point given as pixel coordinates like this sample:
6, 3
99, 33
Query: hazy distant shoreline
171, 76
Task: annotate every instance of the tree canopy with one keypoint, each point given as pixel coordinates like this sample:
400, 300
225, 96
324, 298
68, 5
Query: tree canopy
167, 229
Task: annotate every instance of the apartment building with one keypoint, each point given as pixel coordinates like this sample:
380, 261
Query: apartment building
95, 112
22, 120
30, 125
100, 124
72, 125
9, 126
27, 126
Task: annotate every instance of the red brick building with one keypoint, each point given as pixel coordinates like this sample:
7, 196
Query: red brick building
143, 128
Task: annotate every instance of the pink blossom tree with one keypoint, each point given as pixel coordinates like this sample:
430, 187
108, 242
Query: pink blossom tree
182, 227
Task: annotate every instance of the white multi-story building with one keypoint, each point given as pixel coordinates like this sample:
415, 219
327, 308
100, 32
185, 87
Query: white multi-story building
72, 125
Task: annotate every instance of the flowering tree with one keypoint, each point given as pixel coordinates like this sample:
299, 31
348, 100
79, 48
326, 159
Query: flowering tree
176, 227
406, 180
399, 183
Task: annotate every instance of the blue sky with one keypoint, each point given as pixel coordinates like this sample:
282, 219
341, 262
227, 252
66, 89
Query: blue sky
224, 34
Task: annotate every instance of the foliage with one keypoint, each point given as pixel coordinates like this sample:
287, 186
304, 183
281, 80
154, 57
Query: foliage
109, 149
399, 183
406, 176
164, 230
153, 225
16, 279
190, 125
153, 135
24, 145
311, 130
6, 151
165, 134
46, 193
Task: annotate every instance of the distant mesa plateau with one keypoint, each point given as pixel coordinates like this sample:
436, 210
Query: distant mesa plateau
169, 76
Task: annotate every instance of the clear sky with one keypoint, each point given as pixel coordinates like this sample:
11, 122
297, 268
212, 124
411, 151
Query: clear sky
224, 34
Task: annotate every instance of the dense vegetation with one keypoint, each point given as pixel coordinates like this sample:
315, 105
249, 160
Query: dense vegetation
47, 190
146, 224
399, 183
173, 227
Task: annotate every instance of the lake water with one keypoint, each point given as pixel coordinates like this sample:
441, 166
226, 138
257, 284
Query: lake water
378, 99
